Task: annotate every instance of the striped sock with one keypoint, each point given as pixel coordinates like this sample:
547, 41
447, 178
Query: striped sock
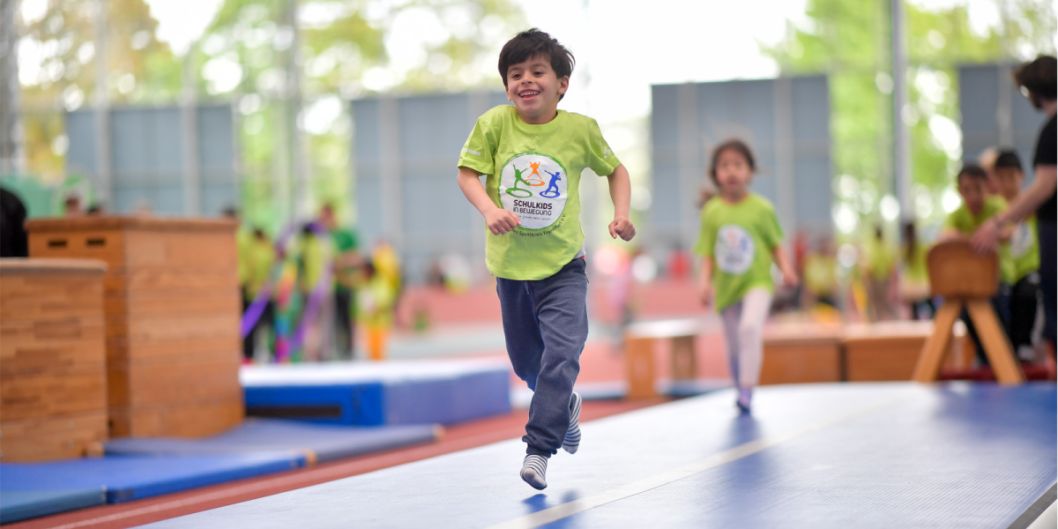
571, 442
534, 471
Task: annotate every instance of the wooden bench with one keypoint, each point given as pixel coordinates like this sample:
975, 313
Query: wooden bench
854, 352
640, 343
798, 352
887, 350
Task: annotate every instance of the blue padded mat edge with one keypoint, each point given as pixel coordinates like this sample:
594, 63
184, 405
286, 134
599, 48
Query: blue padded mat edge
307, 442
378, 394
127, 478
17, 505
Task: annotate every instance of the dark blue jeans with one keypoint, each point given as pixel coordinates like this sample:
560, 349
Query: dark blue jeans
545, 323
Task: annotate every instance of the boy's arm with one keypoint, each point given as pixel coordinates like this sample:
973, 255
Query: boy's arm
789, 276
498, 220
705, 281
1041, 188
621, 195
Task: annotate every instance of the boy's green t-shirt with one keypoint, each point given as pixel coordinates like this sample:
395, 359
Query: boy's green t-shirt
880, 258
243, 242
314, 256
739, 238
915, 268
821, 274
261, 257
1024, 249
344, 240
534, 171
966, 223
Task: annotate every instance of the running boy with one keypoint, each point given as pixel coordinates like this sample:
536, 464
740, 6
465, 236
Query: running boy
532, 155
740, 237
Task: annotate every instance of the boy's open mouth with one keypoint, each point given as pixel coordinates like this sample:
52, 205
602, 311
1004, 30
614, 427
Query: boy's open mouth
528, 93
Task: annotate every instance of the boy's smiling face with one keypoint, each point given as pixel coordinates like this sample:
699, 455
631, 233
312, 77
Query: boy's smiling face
1009, 180
972, 191
535, 89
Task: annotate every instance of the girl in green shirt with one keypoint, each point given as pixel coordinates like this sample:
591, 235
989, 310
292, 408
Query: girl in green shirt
739, 239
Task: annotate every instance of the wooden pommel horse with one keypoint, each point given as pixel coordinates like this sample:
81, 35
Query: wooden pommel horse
964, 277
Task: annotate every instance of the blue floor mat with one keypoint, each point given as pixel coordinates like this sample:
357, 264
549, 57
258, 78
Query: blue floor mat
18, 505
126, 478
307, 442
376, 394
820, 456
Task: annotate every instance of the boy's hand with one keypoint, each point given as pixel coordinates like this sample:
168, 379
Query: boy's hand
501, 221
622, 227
987, 236
790, 279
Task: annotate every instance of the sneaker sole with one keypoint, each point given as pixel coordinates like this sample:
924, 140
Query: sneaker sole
533, 480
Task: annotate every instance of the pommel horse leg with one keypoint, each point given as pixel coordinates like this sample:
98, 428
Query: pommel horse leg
995, 342
929, 361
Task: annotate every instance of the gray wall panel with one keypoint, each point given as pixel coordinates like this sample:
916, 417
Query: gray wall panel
81, 154
987, 99
786, 123
148, 159
415, 141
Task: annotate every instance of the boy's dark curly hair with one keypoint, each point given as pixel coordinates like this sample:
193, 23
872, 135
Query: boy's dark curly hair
531, 43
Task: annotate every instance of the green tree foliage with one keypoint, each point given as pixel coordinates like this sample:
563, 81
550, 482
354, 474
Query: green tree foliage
246, 56
64, 76
343, 55
851, 42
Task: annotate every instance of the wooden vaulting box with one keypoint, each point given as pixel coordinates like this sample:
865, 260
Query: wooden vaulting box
172, 307
53, 401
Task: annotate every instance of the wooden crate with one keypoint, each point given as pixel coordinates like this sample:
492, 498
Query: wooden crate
172, 318
801, 352
889, 350
640, 346
53, 398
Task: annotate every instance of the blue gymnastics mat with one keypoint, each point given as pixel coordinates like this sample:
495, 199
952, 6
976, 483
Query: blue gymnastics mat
819, 456
375, 394
20, 504
308, 443
134, 477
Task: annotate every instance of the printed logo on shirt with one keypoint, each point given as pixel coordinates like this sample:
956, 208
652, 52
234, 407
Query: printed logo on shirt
533, 186
1021, 240
733, 250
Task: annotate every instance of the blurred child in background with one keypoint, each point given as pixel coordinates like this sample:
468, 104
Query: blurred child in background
740, 238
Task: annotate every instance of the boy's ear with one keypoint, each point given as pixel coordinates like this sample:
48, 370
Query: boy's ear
563, 85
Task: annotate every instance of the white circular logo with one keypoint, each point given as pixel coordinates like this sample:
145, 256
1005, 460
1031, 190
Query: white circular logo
533, 186
1021, 240
733, 249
